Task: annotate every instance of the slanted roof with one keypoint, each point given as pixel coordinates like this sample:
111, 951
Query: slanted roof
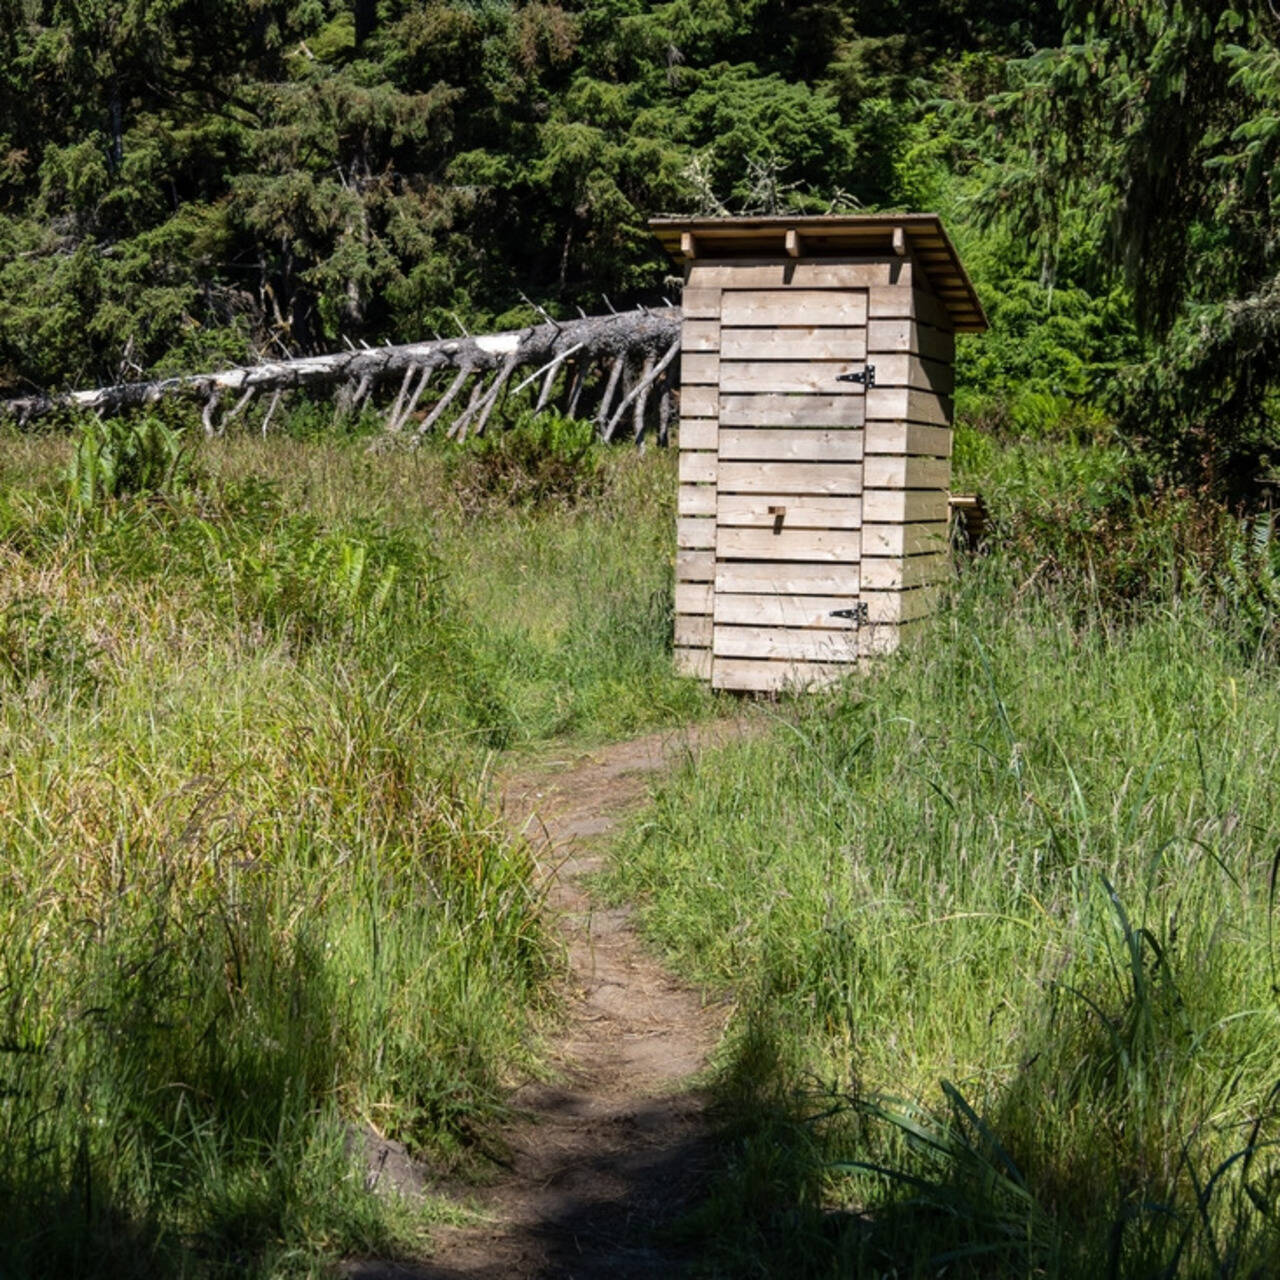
920, 235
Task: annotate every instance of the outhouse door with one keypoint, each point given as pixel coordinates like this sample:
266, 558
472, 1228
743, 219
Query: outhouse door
790, 374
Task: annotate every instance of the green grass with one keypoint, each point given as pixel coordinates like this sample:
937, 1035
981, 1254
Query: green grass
996, 918
254, 895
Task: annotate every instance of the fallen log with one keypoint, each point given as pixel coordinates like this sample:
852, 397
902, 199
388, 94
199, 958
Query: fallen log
636, 337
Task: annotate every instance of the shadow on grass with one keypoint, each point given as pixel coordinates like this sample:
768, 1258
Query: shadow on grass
824, 1181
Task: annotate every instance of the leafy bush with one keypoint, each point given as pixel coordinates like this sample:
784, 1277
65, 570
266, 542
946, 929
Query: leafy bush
302, 582
128, 457
1249, 580
274, 571
1082, 509
307, 417
542, 460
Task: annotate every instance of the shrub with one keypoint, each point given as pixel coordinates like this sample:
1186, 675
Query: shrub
128, 456
1250, 578
542, 460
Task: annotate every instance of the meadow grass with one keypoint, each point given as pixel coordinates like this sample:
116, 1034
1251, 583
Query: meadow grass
995, 916
254, 901
996, 919
566, 601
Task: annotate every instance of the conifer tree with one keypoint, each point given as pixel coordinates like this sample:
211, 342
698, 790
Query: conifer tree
1158, 119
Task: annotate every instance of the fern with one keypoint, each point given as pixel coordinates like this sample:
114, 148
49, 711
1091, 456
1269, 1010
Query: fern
125, 457
1250, 581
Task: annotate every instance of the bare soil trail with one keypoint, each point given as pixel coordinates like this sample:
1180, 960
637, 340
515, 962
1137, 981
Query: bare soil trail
619, 1146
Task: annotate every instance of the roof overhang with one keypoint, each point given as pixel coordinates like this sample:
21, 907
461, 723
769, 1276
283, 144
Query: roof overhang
920, 236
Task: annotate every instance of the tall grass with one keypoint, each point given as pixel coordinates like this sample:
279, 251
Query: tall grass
254, 900
998, 919
560, 560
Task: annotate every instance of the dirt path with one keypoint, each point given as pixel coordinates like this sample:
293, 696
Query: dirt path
619, 1147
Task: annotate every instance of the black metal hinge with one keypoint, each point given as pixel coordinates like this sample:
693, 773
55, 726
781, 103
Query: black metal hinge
857, 614
867, 377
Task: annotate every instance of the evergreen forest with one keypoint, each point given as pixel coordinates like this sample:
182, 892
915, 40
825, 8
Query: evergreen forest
186, 182
987, 930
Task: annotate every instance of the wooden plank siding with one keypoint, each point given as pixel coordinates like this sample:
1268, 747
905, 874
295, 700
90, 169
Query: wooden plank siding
762, 610
699, 401
793, 512
792, 411
758, 578
783, 478
700, 368
789, 471
836, 308
920, 373
696, 499
902, 302
892, 337
908, 469
696, 566
904, 506
837, 274
910, 439
902, 539
748, 675
763, 444
788, 376
812, 545
698, 433
903, 404
697, 467
794, 342
699, 335
892, 471
802, 496
814, 644
696, 533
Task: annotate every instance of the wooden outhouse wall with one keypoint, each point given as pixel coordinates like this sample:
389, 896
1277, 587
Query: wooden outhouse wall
801, 495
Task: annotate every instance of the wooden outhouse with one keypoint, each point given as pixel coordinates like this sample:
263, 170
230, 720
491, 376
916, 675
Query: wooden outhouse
815, 439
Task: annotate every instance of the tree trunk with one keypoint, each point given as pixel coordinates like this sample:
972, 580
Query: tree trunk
627, 337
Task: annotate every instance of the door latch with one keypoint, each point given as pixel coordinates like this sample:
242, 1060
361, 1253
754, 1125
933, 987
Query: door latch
857, 614
867, 377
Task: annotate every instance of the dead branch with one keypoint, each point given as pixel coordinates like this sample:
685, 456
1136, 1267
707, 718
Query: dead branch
271, 408
397, 423
239, 407
210, 409
575, 390
458, 431
602, 414
647, 378
642, 399
665, 384
492, 398
393, 414
444, 402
